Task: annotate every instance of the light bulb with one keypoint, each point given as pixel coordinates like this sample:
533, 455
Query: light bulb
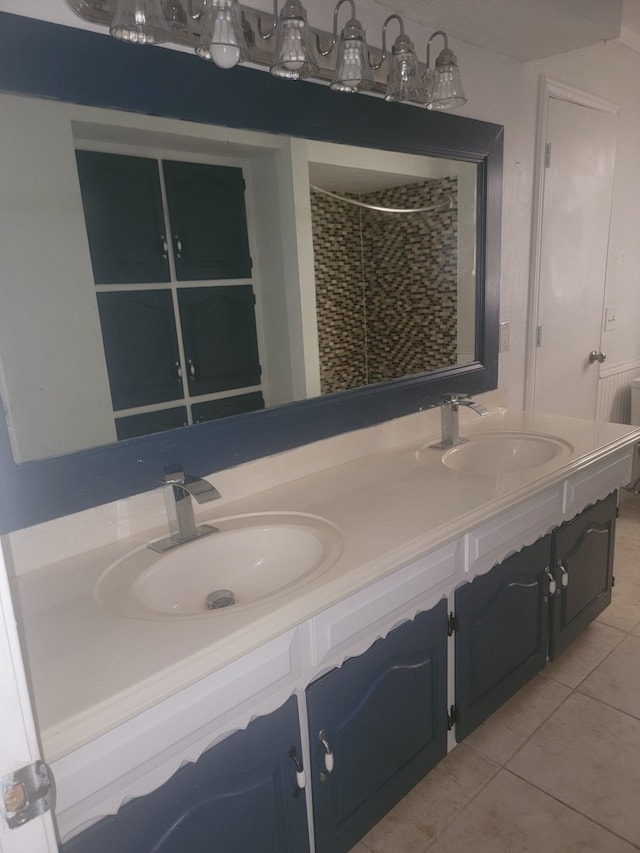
224, 50
222, 38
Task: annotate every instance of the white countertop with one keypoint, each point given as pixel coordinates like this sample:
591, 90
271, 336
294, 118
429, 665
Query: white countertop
92, 670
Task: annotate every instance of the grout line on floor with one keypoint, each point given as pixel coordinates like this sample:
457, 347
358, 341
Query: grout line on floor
471, 799
588, 817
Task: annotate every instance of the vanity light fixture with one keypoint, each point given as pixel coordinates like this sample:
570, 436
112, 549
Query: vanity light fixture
227, 33
140, 21
444, 82
353, 70
404, 82
294, 54
221, 35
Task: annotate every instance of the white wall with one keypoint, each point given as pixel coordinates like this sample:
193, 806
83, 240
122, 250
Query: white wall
505, 91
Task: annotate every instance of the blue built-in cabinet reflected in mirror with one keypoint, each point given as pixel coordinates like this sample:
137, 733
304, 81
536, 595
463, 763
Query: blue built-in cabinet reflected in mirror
69, 64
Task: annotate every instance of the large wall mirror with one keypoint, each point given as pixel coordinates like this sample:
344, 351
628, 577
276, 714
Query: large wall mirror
362, 312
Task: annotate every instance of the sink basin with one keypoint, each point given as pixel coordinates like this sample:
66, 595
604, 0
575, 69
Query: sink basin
250, 559
502, 452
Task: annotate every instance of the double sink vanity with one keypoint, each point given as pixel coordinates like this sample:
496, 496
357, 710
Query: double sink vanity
376, 598
367, 598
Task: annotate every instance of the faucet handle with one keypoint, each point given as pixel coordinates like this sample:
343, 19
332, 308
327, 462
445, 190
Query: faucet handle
173, 477
453, 398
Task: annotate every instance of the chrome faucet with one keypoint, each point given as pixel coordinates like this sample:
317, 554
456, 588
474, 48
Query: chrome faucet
178, 491
449, 417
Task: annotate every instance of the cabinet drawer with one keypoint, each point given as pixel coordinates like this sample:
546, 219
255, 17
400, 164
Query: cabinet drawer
513, 529
352, 625
597, 481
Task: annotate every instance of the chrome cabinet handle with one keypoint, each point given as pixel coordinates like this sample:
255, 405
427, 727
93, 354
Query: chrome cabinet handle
301, 776
594, 356
328, 756
178, 370
165, 248
552, 582
192, 368
178, 245
564, 580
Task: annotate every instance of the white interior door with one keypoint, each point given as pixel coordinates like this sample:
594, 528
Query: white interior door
574, 236
18, 739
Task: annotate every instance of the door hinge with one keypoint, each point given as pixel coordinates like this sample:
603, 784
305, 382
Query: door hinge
538, 336
547, 156
452, 717
26, 794
613, 581
452, 624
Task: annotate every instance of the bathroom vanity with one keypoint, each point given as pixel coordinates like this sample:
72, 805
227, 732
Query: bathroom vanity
321, 703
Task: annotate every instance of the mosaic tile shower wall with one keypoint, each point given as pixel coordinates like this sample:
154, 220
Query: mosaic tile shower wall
386, 285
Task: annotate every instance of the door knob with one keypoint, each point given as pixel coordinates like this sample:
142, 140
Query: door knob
594, 355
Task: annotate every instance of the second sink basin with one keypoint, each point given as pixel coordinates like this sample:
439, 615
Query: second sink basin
502, 452
250, 559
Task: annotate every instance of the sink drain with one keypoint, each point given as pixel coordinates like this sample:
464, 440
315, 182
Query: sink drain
220, 598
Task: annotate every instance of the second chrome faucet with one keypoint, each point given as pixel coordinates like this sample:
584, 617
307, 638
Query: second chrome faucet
449, 418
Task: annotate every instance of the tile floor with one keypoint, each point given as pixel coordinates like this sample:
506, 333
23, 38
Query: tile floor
556, 769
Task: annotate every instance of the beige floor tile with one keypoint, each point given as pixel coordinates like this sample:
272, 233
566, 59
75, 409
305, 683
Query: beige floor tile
360, 848
624, 611
616, 681
510, 726
630, 512
586, 755
511, 816
586, 652
626, 559
435, 801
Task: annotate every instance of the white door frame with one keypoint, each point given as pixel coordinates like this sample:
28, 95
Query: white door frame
548, 89
18, 734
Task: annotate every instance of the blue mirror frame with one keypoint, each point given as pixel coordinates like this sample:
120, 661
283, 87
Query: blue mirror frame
65, 63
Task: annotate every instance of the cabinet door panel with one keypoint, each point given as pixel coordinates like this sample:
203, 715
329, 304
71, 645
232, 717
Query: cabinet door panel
125, 222
384, 717
239, 797
208, 221
141, 347
501, 636
220, 340
584, 549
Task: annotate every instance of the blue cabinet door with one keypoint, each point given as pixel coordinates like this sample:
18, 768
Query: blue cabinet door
220, 339
583, 568
383, 717
239, 797
141, 347
501, 636
208, 221
123, 213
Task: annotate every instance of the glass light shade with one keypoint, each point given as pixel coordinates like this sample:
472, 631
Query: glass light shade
294, 56
139, 21
222, 38
404, 82
353, 69
447, 93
